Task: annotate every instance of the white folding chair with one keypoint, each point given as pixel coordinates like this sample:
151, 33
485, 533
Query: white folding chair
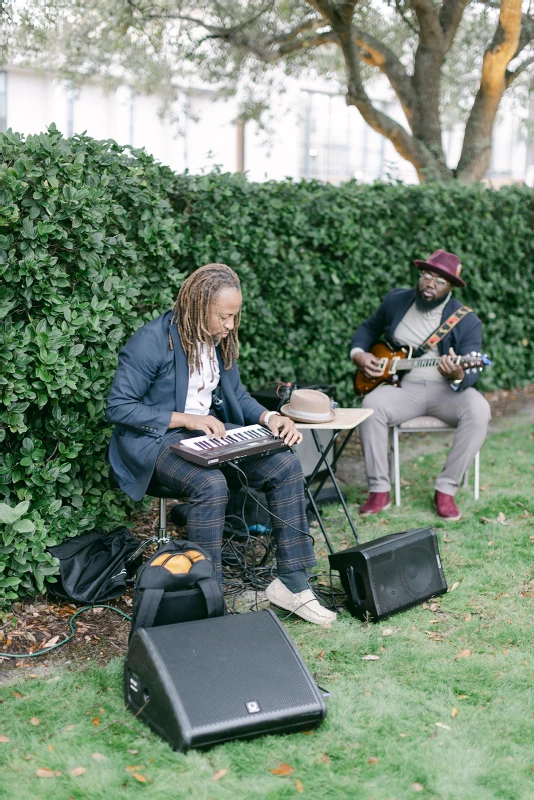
423, 425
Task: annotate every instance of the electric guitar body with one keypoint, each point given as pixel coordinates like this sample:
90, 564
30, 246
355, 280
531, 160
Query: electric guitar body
389, 358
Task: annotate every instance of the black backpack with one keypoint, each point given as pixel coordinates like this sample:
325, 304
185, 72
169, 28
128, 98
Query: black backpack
177, 584
95, 566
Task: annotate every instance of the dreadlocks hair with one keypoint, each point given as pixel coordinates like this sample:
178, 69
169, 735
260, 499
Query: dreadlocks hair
191, 315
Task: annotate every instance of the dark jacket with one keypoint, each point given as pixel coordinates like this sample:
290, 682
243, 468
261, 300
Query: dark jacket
464, 338
150, 383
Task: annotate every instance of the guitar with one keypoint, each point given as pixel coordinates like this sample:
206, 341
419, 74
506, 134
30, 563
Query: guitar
395, 362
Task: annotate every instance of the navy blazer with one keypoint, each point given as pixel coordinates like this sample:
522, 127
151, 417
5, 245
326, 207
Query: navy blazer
150, 383
464, 338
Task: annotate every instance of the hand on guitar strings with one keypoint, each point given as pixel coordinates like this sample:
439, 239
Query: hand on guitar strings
369, 364
448, 367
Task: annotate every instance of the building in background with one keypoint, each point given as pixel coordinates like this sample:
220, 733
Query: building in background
314, 134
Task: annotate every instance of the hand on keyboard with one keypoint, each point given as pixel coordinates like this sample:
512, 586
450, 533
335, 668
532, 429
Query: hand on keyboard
285, 428
210, 425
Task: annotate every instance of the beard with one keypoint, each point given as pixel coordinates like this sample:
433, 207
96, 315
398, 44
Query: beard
422, 304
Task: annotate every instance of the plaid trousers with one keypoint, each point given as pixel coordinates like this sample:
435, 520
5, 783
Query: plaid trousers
279, 475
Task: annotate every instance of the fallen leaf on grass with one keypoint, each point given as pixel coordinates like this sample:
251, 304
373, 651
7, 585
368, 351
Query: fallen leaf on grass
454, 712
17, 695
140, 778
35, 721
283, 769
463, 696
134, 768
96, 721
324, 758
4, 738
372, 760
220, 774
298, 786
387, 632
441, 725
501, 519
467, 618
464, 653
99, 757
403, 735
77, 771
44, 772
418, 787
69, 727
370, 658
50, 642
308, 733
485, 520
51, 748
321, 654
133, 752
454, 586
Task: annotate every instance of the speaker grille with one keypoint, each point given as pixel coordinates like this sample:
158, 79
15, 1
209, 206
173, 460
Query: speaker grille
217, 680
405, 570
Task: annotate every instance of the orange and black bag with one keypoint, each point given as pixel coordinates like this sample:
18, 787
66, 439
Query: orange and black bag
177, 584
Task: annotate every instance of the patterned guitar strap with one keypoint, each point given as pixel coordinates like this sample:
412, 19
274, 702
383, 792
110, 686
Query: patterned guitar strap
442, 331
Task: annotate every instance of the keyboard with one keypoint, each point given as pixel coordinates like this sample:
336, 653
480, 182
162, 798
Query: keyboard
239, 443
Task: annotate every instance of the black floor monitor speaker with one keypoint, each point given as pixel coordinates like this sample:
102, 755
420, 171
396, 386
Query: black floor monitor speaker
204, 682
390, 574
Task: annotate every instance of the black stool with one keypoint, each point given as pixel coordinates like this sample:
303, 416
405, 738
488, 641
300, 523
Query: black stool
153, 490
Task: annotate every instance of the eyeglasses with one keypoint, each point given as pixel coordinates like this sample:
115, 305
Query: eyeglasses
440, 282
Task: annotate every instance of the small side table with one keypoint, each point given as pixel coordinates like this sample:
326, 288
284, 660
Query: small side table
346, 419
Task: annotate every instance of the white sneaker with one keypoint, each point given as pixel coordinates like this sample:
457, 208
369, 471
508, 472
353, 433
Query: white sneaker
304, 604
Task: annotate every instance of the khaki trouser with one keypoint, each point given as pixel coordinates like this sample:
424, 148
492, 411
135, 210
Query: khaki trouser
467, 411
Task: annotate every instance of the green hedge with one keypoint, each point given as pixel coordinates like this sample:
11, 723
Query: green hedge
316, 259
88, 246
96, 238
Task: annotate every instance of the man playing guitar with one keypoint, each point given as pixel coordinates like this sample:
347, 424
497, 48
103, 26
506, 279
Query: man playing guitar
433, 323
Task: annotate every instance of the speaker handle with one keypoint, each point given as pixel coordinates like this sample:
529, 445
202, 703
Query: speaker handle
352, 584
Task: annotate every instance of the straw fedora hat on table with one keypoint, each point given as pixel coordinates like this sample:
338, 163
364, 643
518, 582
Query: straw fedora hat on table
309, 405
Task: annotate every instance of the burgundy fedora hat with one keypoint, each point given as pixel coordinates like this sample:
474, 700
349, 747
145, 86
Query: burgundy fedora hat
446, 264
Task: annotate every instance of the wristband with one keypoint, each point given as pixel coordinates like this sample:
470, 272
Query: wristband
268, 416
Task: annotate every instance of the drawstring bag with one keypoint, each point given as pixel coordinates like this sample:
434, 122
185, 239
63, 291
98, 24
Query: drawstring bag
95, 566
177, 584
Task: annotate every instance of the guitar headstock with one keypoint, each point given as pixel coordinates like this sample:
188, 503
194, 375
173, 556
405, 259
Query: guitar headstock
475, 362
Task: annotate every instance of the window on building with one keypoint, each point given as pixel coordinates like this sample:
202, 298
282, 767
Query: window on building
3, 101
70, 111
337, 144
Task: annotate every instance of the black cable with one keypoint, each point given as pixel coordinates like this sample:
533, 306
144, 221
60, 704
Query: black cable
271, 514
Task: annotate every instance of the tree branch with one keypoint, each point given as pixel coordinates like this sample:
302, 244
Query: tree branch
476, 150
511, 76
450, 16
377, 54
406, 145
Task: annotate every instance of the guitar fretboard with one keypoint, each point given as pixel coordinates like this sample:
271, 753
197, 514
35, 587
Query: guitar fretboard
410, 363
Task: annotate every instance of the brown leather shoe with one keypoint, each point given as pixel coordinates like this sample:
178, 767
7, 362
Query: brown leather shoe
376, 502
446, 507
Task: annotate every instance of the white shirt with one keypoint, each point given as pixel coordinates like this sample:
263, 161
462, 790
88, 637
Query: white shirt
202, 384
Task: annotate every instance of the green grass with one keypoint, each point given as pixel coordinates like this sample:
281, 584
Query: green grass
486, 751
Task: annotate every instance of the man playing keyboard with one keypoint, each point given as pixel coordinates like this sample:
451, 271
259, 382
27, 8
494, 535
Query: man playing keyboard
177, 379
